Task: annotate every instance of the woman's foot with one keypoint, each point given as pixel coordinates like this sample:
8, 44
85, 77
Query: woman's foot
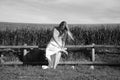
45, 67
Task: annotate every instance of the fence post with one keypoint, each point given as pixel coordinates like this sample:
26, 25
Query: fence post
1, 58
93, 55
24, 53
25, 50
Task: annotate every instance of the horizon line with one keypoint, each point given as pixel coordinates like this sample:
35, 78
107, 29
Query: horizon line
52, 23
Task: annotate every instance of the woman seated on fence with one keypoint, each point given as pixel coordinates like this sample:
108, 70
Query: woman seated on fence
57, 44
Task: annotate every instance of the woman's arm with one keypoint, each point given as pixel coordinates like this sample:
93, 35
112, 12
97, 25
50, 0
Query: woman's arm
70, 35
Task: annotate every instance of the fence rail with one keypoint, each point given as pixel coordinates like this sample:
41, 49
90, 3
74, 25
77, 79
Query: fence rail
70, 63
16, 47
68, 46
72, 47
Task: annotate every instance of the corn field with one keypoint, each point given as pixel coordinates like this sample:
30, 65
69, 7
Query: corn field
40, 34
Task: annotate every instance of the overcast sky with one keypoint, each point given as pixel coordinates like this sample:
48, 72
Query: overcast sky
55, 11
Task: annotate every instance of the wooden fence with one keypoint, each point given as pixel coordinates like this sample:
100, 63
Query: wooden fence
70, 47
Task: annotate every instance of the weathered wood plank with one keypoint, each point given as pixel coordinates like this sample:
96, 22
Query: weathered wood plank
70, 63
14, 47
68, 46
106, 46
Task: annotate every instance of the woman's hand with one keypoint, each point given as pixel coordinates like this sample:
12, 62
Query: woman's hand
64, 50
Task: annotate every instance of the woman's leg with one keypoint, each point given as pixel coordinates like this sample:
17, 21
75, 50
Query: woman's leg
49, 60
57, 59
52, 60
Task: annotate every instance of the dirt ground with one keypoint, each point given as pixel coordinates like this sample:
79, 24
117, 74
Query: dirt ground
63, 72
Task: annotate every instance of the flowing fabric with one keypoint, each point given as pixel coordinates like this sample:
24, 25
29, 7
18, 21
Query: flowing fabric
55, 46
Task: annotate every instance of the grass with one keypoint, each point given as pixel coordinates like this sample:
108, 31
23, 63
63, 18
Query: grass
80, 72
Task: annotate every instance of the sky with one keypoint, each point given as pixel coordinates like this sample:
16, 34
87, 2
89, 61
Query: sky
55, 11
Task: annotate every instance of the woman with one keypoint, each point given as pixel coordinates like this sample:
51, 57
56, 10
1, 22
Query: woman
57, 45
